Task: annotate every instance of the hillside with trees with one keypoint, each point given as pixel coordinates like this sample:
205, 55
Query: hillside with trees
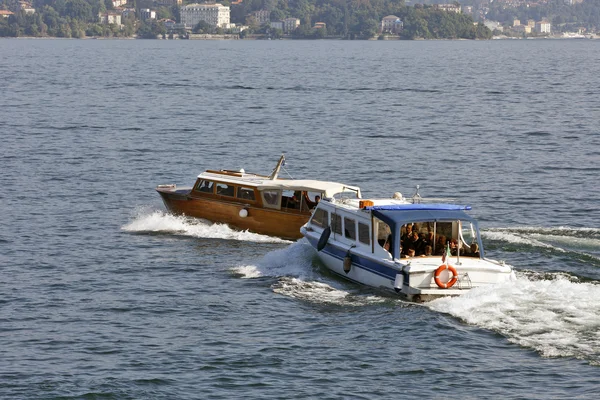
564, 17
349, 19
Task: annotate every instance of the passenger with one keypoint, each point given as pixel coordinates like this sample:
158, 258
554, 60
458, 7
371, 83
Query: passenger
407, 233
414, 243
293, 202
386, 246
388, 243
410, 253
428, 251
453, 247
440, 245
475, 250
429, 239
317, 199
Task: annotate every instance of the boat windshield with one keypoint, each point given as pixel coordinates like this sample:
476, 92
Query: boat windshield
434, 238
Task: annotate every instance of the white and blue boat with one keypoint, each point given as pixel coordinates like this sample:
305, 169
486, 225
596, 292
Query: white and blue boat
419, 250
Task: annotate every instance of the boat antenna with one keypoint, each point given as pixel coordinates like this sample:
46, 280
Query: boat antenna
280, 163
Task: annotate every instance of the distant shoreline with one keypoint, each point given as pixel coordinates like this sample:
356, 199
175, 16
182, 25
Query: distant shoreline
500, 37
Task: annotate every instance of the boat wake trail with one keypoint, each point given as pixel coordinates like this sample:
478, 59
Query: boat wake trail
148, 221
556, 316
297, 277
585, 241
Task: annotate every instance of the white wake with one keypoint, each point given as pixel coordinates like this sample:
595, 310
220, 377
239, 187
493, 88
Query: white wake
147, 221
556, 317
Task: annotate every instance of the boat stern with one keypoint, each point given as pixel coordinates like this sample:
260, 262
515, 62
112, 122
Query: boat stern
428, 281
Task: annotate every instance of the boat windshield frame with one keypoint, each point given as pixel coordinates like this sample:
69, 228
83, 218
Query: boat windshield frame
398, 217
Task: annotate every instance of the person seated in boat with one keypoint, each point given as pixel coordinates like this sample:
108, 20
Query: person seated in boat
428, 251
474, 250
406, 233
292, 202
387, 244
414, 242
428, 239
453, 247
440, 245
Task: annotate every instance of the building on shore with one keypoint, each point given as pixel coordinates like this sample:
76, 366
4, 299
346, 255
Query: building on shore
261, 16
216, 15
110, 17
290, 24
391, 24
543, 26
448, 7
146, 14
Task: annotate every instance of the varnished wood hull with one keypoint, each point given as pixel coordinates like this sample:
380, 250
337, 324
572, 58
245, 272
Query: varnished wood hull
260, 220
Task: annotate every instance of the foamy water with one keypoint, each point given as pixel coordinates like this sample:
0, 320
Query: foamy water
556, 317
299, 278
153, 221
554, 314
583, 241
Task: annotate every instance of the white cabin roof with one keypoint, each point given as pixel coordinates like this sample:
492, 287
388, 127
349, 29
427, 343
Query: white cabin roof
263, 183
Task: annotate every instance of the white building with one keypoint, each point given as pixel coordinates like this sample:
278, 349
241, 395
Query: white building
216, 15
146, 13
542, 26
448, 7
277, 25
110, 17
290, 24
261, 16
493, 25
391, 24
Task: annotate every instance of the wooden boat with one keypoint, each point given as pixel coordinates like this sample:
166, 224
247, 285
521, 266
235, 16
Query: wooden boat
262, 204
420, 251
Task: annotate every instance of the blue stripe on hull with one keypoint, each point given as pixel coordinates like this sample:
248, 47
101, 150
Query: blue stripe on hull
360, 262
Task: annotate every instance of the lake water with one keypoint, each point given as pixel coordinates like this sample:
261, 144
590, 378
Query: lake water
105, 295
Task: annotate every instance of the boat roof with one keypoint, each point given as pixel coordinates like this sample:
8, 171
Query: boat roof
263, 183
404, 213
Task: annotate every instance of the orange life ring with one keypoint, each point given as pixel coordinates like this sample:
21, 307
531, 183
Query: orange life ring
451, 282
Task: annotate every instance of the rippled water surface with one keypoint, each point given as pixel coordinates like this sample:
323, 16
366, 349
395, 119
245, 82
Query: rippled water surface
105, 295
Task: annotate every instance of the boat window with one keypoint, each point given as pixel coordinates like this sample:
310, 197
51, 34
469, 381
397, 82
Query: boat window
205, 186
245, 193
468, 238
383, 232
312, 199
363, 233
346, 194
336, 224
271, 198
224, 189
320, 218
291, 199
349, 228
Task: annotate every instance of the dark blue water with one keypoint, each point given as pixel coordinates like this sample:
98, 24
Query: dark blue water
105, 295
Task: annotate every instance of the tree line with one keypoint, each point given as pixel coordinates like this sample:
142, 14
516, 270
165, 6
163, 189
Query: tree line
351, 19
563, 17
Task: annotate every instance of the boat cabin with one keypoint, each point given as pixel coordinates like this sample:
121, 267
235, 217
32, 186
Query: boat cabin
292, 196
397, 230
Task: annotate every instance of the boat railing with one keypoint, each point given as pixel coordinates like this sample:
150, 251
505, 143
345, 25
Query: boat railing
427, 200
417, 199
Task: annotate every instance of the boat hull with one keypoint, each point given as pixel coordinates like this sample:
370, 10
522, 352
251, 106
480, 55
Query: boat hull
259, 220
413, 282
